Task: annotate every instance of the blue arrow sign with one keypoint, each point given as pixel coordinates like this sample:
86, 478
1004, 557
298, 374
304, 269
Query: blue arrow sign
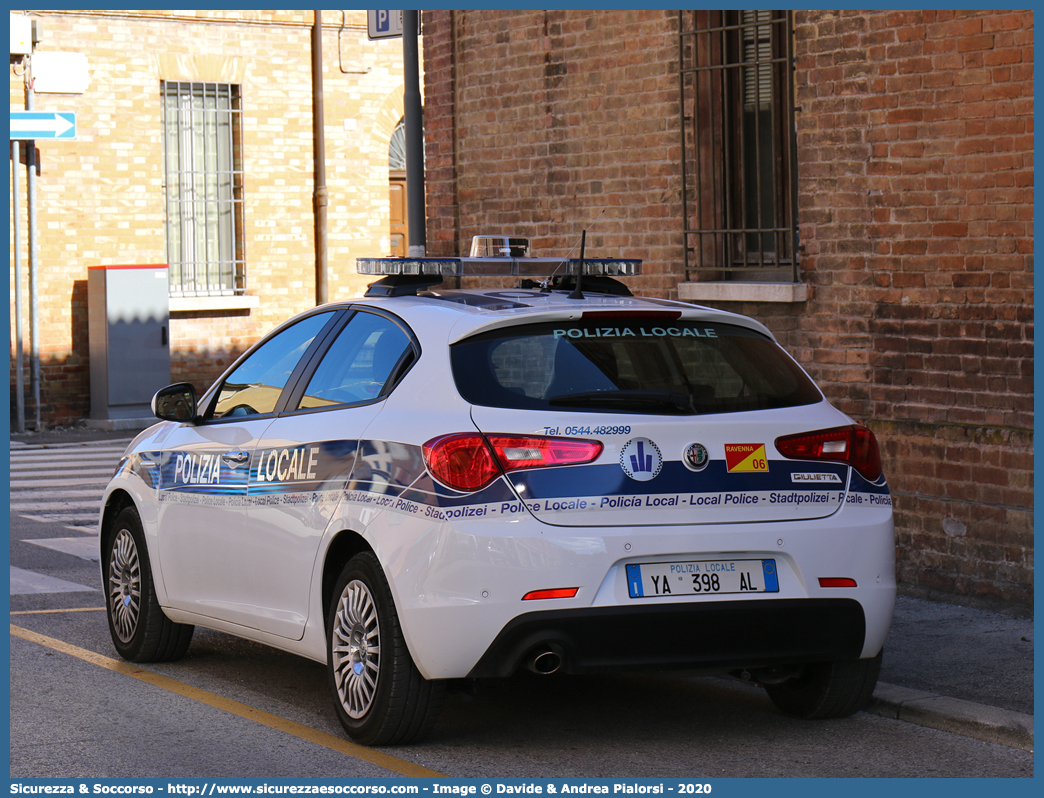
43, 125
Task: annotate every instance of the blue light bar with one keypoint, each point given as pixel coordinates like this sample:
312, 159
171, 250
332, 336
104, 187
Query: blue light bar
448, 267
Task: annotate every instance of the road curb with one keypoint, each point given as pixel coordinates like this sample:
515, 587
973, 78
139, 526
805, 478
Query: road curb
991, 724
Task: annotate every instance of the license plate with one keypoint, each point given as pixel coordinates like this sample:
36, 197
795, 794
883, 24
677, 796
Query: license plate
700, 577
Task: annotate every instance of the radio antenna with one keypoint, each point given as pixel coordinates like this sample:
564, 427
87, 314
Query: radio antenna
545, 283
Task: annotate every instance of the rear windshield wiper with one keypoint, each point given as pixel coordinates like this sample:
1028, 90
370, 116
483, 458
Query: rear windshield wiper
641, 400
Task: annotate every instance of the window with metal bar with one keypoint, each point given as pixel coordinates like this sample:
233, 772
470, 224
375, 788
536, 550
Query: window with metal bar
203, 166
397, 148
739, 187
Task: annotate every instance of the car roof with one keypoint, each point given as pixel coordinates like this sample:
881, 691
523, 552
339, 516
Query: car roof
462, 313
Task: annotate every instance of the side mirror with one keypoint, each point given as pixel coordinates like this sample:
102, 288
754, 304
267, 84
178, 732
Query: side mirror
175, 402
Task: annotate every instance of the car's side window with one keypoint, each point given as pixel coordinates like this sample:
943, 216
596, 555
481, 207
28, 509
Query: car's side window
359, 362
254, 387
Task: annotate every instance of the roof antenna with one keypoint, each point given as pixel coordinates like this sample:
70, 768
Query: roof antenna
577, 292
545, 284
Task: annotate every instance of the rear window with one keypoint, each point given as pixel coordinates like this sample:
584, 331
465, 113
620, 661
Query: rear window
628, 366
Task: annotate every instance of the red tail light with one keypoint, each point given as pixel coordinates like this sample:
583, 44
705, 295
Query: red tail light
558, 592
469, 461
836, 581
462, 461
516, 452
856, 446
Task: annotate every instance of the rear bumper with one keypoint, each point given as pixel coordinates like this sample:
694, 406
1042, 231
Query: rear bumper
706, 635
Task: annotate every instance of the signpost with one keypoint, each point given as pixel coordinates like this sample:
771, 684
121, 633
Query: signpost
31, 126
43, 125
383, 24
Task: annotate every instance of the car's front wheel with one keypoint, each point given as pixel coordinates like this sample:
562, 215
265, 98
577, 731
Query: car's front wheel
139, 629
828, 689
381, 697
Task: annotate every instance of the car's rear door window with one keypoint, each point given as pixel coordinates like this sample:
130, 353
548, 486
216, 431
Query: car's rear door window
633, 365
361, 362
257, 383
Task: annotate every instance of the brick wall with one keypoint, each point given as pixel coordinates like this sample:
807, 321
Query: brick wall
915, 161
100, 197
544, 123
915, 148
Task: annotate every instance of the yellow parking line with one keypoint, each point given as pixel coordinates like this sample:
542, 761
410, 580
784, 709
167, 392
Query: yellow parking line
394, 764
51, 612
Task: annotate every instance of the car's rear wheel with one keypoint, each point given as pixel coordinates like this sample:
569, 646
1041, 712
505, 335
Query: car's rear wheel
380, 696
828, 689
139, 629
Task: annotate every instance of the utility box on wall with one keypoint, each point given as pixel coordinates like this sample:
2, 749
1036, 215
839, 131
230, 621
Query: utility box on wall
128, 316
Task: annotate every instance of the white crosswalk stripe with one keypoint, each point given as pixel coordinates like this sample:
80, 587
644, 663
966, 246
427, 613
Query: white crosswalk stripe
66, 473
96, 484
69, 494
63, 483
23, 582
69, 460
86, 548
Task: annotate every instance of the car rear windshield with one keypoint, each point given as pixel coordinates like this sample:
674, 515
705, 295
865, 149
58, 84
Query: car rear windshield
632, 365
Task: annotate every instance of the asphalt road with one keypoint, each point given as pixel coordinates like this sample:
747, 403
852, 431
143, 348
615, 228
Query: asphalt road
73, 718
234, 709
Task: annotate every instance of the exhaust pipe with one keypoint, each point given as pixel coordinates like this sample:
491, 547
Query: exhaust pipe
544, 661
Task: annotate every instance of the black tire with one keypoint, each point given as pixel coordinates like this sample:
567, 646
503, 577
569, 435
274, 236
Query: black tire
380, 696
828, 689
139, 629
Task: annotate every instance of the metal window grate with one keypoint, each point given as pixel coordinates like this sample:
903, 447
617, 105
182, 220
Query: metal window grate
739, 187
202, 140
397, 148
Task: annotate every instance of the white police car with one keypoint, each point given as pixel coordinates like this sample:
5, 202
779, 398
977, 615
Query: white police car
427, 485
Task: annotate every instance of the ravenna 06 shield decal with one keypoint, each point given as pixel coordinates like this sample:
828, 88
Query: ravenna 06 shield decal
745, 457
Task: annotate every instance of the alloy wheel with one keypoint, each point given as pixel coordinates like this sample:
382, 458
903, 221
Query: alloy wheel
124, 585
356, 650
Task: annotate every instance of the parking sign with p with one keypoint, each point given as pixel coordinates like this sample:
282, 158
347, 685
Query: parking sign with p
383, 24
